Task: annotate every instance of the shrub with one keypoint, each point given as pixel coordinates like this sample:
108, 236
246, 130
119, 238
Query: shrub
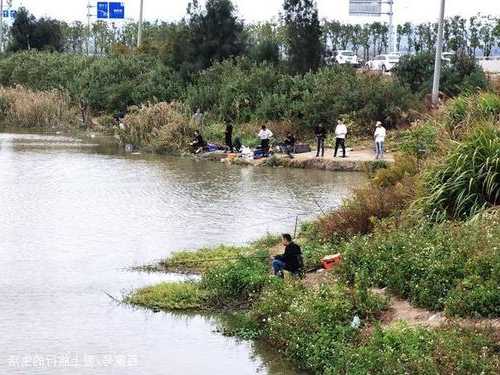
391, 189
162, 127
420, 140
312, 326
24, 108
242, 91
467, 110
462, 75
114, 83
432, 265
238, 281
469, 178
405, 350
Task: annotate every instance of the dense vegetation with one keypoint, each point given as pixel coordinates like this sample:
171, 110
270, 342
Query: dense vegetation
232, 72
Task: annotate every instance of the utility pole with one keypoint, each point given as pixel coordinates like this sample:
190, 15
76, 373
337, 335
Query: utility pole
139, 31
439, 53
392, 32
89, 16
1, 26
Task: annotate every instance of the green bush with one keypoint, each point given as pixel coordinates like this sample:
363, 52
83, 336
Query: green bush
468, 180
243, 91
238, 281
406, 350
467, 110
104, 83
114, 83
420, 140
312, 326
432, 265
462, 75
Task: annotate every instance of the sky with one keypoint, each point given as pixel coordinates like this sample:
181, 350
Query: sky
263, 10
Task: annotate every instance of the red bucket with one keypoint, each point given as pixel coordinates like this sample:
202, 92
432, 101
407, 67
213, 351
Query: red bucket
331, 261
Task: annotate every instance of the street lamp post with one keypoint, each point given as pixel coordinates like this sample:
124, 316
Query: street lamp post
439, 53
139, 31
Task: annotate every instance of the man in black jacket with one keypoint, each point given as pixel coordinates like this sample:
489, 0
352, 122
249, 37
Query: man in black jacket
290, 260
320, 134
228, 135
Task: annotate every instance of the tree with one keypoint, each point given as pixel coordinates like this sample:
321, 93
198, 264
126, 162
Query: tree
303, 35
22, 31
28, 33
216, 32
265, 42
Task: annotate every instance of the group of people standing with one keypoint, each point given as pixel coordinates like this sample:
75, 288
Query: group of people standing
341, 131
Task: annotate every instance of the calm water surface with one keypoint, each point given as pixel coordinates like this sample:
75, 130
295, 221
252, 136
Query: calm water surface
73, 218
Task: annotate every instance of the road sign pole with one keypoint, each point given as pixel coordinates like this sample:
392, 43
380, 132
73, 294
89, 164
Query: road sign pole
1, 26
89, 6
139, 31
439, 53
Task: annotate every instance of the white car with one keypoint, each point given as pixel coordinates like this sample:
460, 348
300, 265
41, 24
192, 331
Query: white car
447, 57
345, 57
384, 63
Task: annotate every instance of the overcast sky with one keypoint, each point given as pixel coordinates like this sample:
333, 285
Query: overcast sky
262, 10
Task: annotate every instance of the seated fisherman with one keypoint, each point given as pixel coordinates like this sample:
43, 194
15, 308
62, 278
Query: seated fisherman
198, 143
290, 260
289, 144
237, 144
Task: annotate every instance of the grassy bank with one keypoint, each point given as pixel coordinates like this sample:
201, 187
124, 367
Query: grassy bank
426, 229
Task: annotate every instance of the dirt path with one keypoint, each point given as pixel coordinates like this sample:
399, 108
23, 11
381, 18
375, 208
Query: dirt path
361, 155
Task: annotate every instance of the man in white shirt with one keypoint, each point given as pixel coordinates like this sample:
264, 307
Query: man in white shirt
265, 135
340, 134
379, 136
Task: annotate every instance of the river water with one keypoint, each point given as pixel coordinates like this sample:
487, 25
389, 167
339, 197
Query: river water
75, 215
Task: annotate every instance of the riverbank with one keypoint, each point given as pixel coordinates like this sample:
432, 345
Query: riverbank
360, 160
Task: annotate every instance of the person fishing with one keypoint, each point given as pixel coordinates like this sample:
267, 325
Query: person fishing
291, 260
265, 135
320, 134
289, 144
228, 134
198, 143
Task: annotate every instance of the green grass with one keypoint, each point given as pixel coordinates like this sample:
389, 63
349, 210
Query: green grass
170, 296
203, 259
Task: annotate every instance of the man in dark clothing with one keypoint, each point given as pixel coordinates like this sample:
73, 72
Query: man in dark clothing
289, 144
229, 137
320, 133
198, 143
290, 260
237, 144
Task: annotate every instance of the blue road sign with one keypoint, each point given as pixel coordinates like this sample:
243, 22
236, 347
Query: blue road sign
117, 10
9, 13
102, 10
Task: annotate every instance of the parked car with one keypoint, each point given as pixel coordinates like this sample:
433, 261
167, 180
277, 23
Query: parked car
345, 57
384, 63
447, 57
